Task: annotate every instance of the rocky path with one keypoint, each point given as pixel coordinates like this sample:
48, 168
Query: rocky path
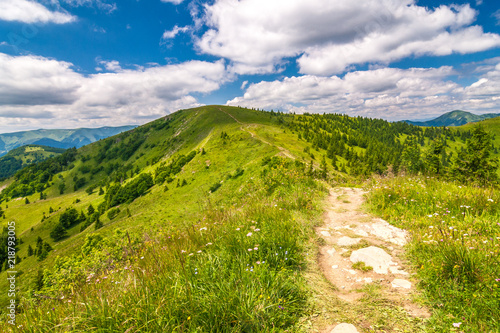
359, 250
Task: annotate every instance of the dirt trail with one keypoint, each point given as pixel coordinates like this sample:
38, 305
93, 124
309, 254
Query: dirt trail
244, 127
350, 236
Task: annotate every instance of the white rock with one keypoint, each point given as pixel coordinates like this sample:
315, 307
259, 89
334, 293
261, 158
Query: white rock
350, 271
347, 241
395, 270
361, 232
400, 283
368, 280
373, 256
331, 251
335, 266
344, 328
385, 231
325, 233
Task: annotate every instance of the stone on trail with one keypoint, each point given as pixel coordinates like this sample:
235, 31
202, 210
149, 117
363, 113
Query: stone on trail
347, 241
375, 257
325, 233
383, 230
400, 283
344, 328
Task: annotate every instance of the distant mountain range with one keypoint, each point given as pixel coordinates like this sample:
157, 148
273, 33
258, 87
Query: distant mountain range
58, 138
454, 118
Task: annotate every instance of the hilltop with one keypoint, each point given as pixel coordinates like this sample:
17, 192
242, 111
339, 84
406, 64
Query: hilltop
21, 157
57, 138
454, 118
204, 220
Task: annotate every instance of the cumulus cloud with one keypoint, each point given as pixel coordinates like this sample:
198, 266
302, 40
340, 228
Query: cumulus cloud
259, 35
35, 87
171, 34
111, 66
31, 12
388, 93
31, 80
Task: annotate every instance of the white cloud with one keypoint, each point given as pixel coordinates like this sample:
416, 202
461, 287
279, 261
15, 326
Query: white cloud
30, 80
112, 66
31, 12
388, 93
175, 2
36, 87
259, 35
103, 5
497, 16
170, 34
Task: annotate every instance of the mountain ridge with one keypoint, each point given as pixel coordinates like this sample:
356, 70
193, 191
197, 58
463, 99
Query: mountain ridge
453, 118
58, 138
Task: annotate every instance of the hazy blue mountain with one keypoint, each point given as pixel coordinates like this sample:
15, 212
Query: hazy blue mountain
58, 138
454, 118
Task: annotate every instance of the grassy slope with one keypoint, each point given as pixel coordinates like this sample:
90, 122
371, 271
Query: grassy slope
252, 136
198, 127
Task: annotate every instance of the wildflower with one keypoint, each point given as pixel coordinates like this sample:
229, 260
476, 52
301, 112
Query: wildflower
191, 254
249, 234
209, 244
258, 262
255, 248
257, 229
237, 229
204, 228
249, 250
189, 318
199, 251
457, 324
142, 257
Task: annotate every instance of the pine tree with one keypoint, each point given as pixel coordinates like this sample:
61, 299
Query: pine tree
39, 280
30, 251
58, 233
410, 157
475, 164
90, 210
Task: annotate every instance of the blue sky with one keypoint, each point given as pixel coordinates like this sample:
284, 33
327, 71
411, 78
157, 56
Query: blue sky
91, 63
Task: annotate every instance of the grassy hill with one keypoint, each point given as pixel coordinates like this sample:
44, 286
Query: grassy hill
199, 221
21, 157
454, 118
57, 138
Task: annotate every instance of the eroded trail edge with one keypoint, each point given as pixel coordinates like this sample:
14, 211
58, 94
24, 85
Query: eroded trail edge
362, 252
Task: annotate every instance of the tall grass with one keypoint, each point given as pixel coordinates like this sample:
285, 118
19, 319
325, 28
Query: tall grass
454, 247
237, 269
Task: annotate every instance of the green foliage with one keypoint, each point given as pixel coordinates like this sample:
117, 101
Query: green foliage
362, 266
475, 164
165, 172
20, 157
113, 212
215, 187
34, 177
118, 194
411, 158
58, 233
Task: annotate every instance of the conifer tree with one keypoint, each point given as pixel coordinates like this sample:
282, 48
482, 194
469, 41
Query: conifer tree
475, 163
